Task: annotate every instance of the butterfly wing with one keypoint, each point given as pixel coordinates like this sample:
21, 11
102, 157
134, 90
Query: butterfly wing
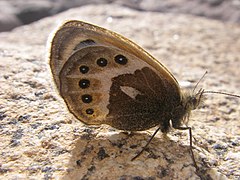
105, 78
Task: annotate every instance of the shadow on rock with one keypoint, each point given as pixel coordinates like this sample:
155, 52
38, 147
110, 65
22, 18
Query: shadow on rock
108, 154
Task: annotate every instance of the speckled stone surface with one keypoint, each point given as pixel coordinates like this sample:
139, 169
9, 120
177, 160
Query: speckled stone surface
40, 139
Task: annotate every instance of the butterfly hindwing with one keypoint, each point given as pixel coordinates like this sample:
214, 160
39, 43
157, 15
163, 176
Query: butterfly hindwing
105, 78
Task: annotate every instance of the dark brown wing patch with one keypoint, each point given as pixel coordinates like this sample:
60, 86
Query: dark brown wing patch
151, 107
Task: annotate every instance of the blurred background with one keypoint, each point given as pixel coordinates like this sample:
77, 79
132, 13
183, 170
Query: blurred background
14, 13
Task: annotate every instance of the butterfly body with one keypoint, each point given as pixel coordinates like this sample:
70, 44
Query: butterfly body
105, 78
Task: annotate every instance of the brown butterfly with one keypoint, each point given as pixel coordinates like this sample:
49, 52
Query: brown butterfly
105, 78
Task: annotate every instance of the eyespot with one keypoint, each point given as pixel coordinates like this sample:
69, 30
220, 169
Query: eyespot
102, 62
87, 42
86, 98
120, 59
89, 111
84, 83
84, 69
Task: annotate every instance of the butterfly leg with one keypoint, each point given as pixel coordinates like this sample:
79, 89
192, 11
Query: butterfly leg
144, 148
191, 146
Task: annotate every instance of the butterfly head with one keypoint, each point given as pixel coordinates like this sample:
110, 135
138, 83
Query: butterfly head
190, 101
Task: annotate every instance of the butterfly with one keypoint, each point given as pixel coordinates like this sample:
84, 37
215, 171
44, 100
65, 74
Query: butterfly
105, 78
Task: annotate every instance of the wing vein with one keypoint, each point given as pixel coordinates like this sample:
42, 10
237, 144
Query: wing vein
148, 84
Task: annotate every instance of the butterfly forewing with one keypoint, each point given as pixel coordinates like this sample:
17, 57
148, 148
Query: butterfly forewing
72, 33
148, 108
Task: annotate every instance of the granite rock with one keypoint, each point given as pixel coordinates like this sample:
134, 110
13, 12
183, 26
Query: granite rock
15, 13
40, 139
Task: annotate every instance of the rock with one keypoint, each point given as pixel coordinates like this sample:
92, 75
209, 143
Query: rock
8, 19
41, 139
33, 11
16, 13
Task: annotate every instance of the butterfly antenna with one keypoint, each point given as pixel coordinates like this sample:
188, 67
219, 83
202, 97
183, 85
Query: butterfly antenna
199, 81
224, 93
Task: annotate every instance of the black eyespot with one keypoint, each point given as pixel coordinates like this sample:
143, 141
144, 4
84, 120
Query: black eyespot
84, 69
102, 62
90, 111
87, 42
86, 98
120, 59
84, 83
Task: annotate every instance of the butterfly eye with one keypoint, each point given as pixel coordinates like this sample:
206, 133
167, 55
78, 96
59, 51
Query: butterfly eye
102, 62
84, 83
120, 59
84, 69
89, 111
194, 102
86, 98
